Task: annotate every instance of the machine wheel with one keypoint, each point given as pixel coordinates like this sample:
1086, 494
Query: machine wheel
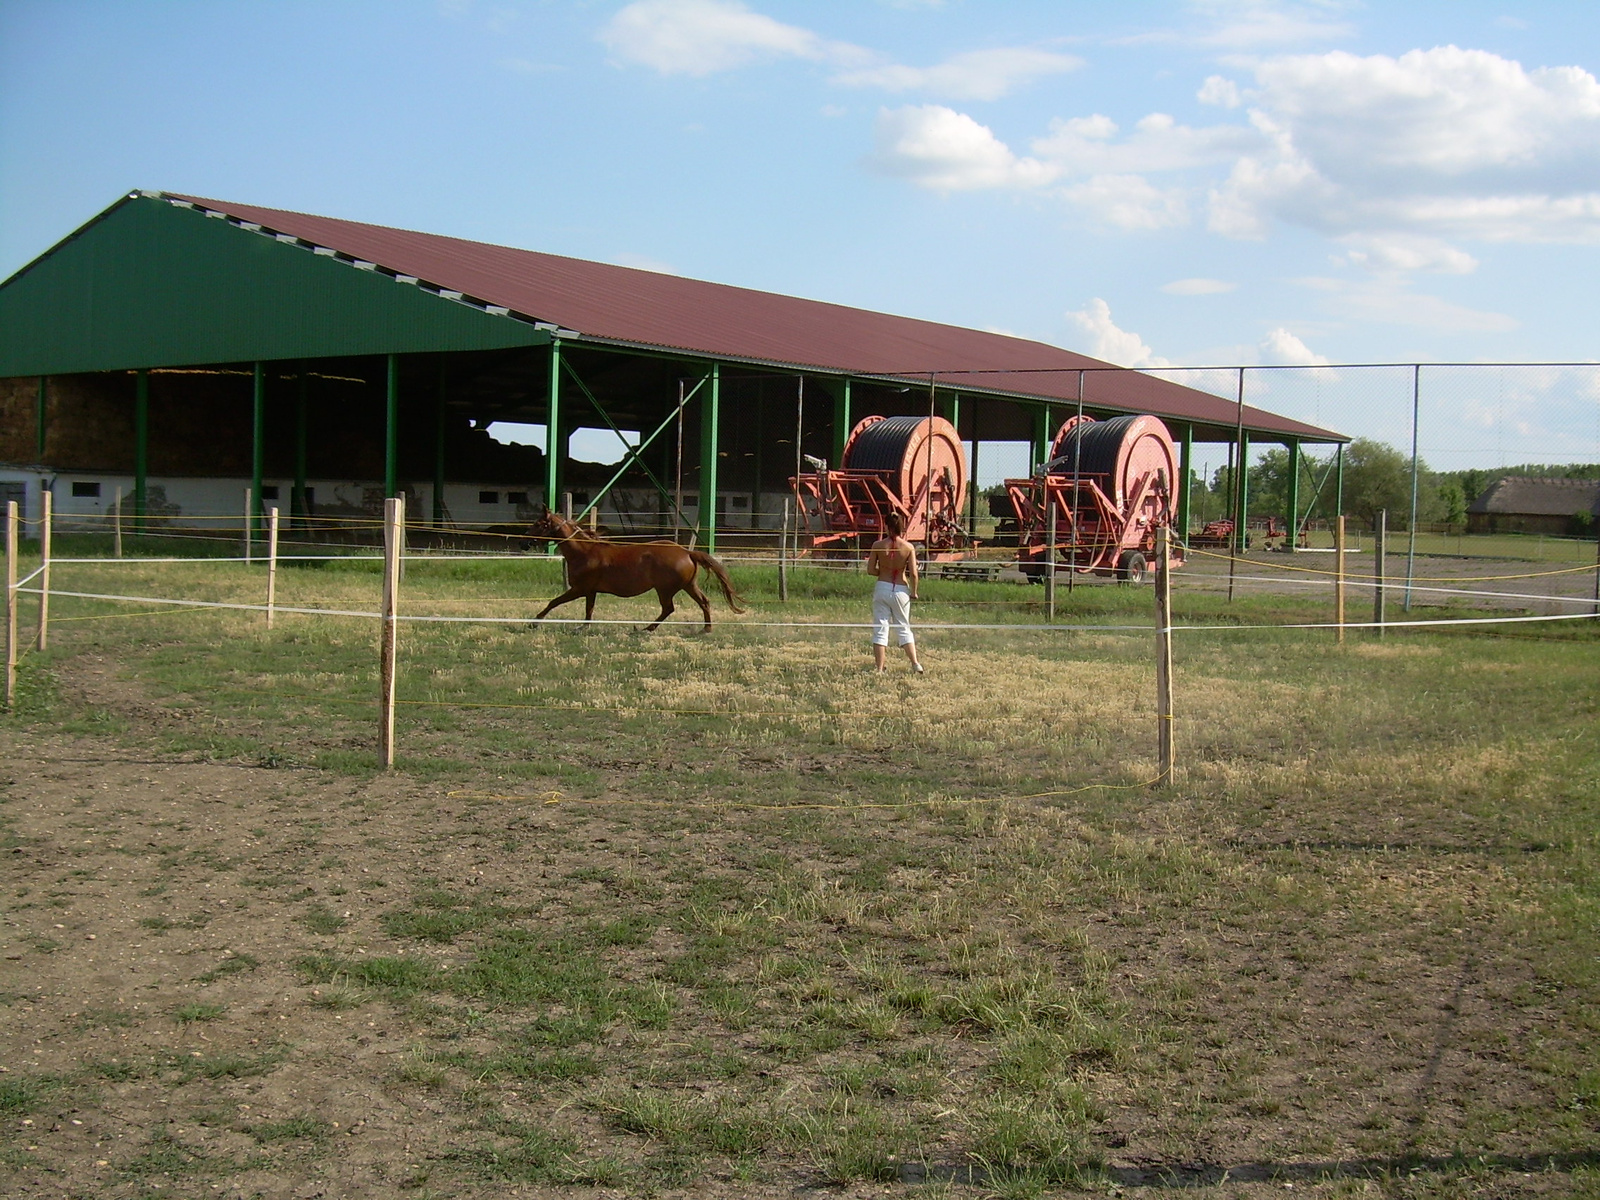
1132, 568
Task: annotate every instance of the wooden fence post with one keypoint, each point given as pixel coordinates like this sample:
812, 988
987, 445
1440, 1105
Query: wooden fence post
1338, 574
1164, 654
11, 603
272, 561
44, 568
393, 549
116, 524
249, 504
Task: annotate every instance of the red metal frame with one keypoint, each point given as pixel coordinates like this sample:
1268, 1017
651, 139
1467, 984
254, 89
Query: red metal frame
853, 504
1092, 533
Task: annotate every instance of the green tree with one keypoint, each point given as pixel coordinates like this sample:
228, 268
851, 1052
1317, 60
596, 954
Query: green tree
1377, 477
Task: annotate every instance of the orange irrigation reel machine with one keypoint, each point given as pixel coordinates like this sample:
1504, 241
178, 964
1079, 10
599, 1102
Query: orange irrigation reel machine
1110, 485
914, 466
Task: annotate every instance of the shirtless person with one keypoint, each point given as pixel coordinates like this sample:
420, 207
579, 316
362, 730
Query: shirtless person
894, 561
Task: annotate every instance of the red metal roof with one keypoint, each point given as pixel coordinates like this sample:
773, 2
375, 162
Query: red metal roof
645, 308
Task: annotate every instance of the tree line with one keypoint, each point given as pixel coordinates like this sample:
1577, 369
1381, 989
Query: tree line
1377, 478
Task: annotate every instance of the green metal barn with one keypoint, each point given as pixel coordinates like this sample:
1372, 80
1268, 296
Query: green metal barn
176, 338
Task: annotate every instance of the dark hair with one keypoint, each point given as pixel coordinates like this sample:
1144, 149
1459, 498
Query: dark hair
894, 524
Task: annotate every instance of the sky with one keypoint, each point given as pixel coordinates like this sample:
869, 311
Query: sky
1167, 182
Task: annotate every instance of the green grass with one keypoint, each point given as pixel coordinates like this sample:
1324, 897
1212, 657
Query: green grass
724, 958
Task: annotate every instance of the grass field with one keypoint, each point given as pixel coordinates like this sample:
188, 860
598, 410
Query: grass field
732, 916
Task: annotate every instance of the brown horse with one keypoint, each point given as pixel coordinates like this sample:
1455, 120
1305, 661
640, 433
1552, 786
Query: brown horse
618, 569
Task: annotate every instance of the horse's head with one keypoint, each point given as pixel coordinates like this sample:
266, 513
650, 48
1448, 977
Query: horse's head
551, 524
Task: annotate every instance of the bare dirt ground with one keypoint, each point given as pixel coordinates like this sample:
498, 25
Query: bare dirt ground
234, 979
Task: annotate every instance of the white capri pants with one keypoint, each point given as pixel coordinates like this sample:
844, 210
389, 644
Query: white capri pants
891, 606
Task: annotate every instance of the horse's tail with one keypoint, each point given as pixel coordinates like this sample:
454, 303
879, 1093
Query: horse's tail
721, 572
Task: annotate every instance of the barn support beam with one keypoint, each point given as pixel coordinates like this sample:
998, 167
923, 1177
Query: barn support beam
299, 510
1186, 469
39, 417
438, 441
841, 421
1242, 515
631, 454
258, 442
391, 428
141, 446
1041, 438
635, 455
1294, 494
972, 485
710, 428
1338, 480
554, 444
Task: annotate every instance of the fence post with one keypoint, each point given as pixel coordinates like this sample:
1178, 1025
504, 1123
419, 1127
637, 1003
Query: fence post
394, 510
1380, 546
44, 568
272, 561
11, 604
1338, 574
1049, 556
783, 556
249, 502
566, 505
116, 524
1164, 654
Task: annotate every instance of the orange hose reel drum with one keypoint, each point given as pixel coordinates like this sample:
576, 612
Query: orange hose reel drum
910, 451
1125, 449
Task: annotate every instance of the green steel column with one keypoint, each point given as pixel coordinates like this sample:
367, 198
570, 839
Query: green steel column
39, 419
438, 444
1186, 469
258, 441
1338, 480
391, 429
1244, 489
841, 422
141, 446
1041, 437
299, 510
1294, 493
552, 433
710, 423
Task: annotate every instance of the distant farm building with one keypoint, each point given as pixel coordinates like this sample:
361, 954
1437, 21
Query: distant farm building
180, 350
1519, 504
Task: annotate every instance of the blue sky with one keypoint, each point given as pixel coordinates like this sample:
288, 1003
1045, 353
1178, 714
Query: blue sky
1204, 182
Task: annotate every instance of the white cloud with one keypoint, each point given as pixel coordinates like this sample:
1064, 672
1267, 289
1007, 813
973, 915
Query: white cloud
1406, 253
974, 75
939, 148
1197, 287
1392, 303
1253, 24
1224, 93
1129, 202
1110, 344
698, 37
1442, 143
1088, 145
1282, 348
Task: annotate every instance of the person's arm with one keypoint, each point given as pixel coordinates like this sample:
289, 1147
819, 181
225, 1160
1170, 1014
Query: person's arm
872, 560
911, 569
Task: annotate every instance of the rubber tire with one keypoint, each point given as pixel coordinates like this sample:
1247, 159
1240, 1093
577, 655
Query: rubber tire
1132, 567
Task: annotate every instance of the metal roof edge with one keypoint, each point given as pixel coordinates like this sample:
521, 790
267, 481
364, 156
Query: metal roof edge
488, 308
135, 194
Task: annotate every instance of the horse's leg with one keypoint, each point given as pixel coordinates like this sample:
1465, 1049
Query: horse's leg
700, 598
588, 606
569, 594
666, 607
